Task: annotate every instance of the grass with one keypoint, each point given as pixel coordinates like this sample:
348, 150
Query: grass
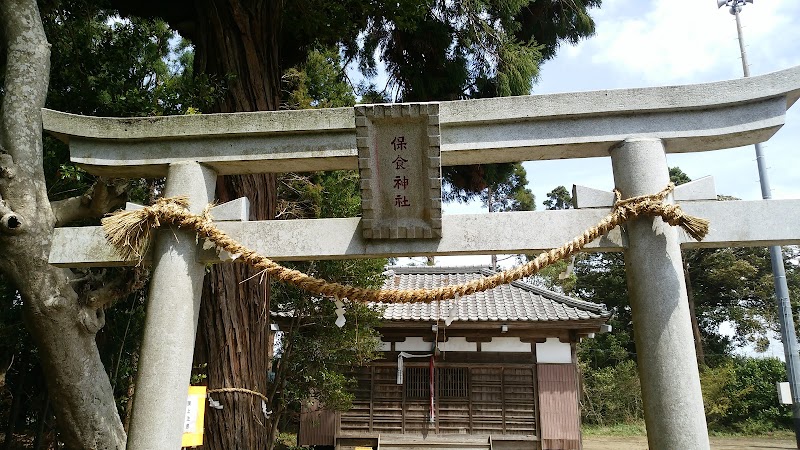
621, 429
286, 441
638, 429
784, 433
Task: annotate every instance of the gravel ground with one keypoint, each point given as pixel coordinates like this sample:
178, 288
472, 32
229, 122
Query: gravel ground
640, 443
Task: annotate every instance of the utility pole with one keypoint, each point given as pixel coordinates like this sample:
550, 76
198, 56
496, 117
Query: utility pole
788, 335
490, 202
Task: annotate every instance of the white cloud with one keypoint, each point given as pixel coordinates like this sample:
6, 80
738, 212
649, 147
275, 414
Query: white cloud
684, 41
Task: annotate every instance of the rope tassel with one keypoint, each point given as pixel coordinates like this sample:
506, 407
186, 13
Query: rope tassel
131, 232
655, 205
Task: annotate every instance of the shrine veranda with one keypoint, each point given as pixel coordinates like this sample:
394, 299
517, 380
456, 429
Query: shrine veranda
399, 151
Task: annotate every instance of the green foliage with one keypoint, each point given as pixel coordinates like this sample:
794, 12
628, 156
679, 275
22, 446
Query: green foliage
511, 193
557, 277
21, 374
316, 352
517, 68
740, 396
370, 94
560, 276
420, 58
287, 441
432, 50
734, 285
572, 23
447, 50
12, 332
318, 83
597, 277
558, 198
677, 176
501, 187
612, 395
104, 66
466, 182
118, 342
109, 67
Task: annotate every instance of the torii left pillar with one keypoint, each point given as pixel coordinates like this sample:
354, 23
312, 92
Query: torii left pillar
165, 366
670, 380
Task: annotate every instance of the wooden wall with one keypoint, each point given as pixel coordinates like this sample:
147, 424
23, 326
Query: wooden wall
558, 403
499, 399
317, 426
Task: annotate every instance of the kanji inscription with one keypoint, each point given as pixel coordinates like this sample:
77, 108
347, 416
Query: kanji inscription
400, 167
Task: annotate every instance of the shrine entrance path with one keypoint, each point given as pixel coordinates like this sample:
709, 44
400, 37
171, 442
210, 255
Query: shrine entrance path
717, 443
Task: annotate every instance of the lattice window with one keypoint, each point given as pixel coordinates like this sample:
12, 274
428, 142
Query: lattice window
417, 381
453, 382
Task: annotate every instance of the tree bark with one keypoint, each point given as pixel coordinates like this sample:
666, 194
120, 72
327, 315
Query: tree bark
238, 40
234, 334
62, 327
44, 412
698, 338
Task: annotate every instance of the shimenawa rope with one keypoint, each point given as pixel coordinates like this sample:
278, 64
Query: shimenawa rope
130, 232
238, 390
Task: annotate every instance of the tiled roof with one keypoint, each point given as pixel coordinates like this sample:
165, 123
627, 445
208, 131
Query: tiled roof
517, 301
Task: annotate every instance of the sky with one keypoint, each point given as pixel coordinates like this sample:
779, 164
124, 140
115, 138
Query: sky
659, 43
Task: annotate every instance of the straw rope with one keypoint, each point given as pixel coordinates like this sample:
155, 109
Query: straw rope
240, 391
130, 232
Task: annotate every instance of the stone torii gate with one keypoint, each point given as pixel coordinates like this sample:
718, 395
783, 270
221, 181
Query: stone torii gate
635, 127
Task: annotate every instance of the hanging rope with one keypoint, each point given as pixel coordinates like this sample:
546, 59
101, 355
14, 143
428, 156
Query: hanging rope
130, 232
239, 391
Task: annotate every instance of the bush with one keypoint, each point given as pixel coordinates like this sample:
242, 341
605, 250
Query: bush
740, 396
611, 395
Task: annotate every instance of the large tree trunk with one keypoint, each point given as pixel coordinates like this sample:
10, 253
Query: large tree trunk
234, 334
61, 325
698, 338
238, 40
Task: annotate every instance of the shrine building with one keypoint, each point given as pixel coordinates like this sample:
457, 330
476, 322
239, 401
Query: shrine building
502, 375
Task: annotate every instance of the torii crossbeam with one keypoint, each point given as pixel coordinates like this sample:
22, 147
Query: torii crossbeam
635, 127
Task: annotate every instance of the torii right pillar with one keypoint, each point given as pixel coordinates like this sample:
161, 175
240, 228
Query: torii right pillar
670, 379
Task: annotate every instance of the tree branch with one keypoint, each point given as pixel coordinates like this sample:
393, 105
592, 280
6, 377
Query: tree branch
102, 289
101, 198
25, 90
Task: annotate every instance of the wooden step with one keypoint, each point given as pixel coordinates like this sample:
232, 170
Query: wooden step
434, 445
434, 442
